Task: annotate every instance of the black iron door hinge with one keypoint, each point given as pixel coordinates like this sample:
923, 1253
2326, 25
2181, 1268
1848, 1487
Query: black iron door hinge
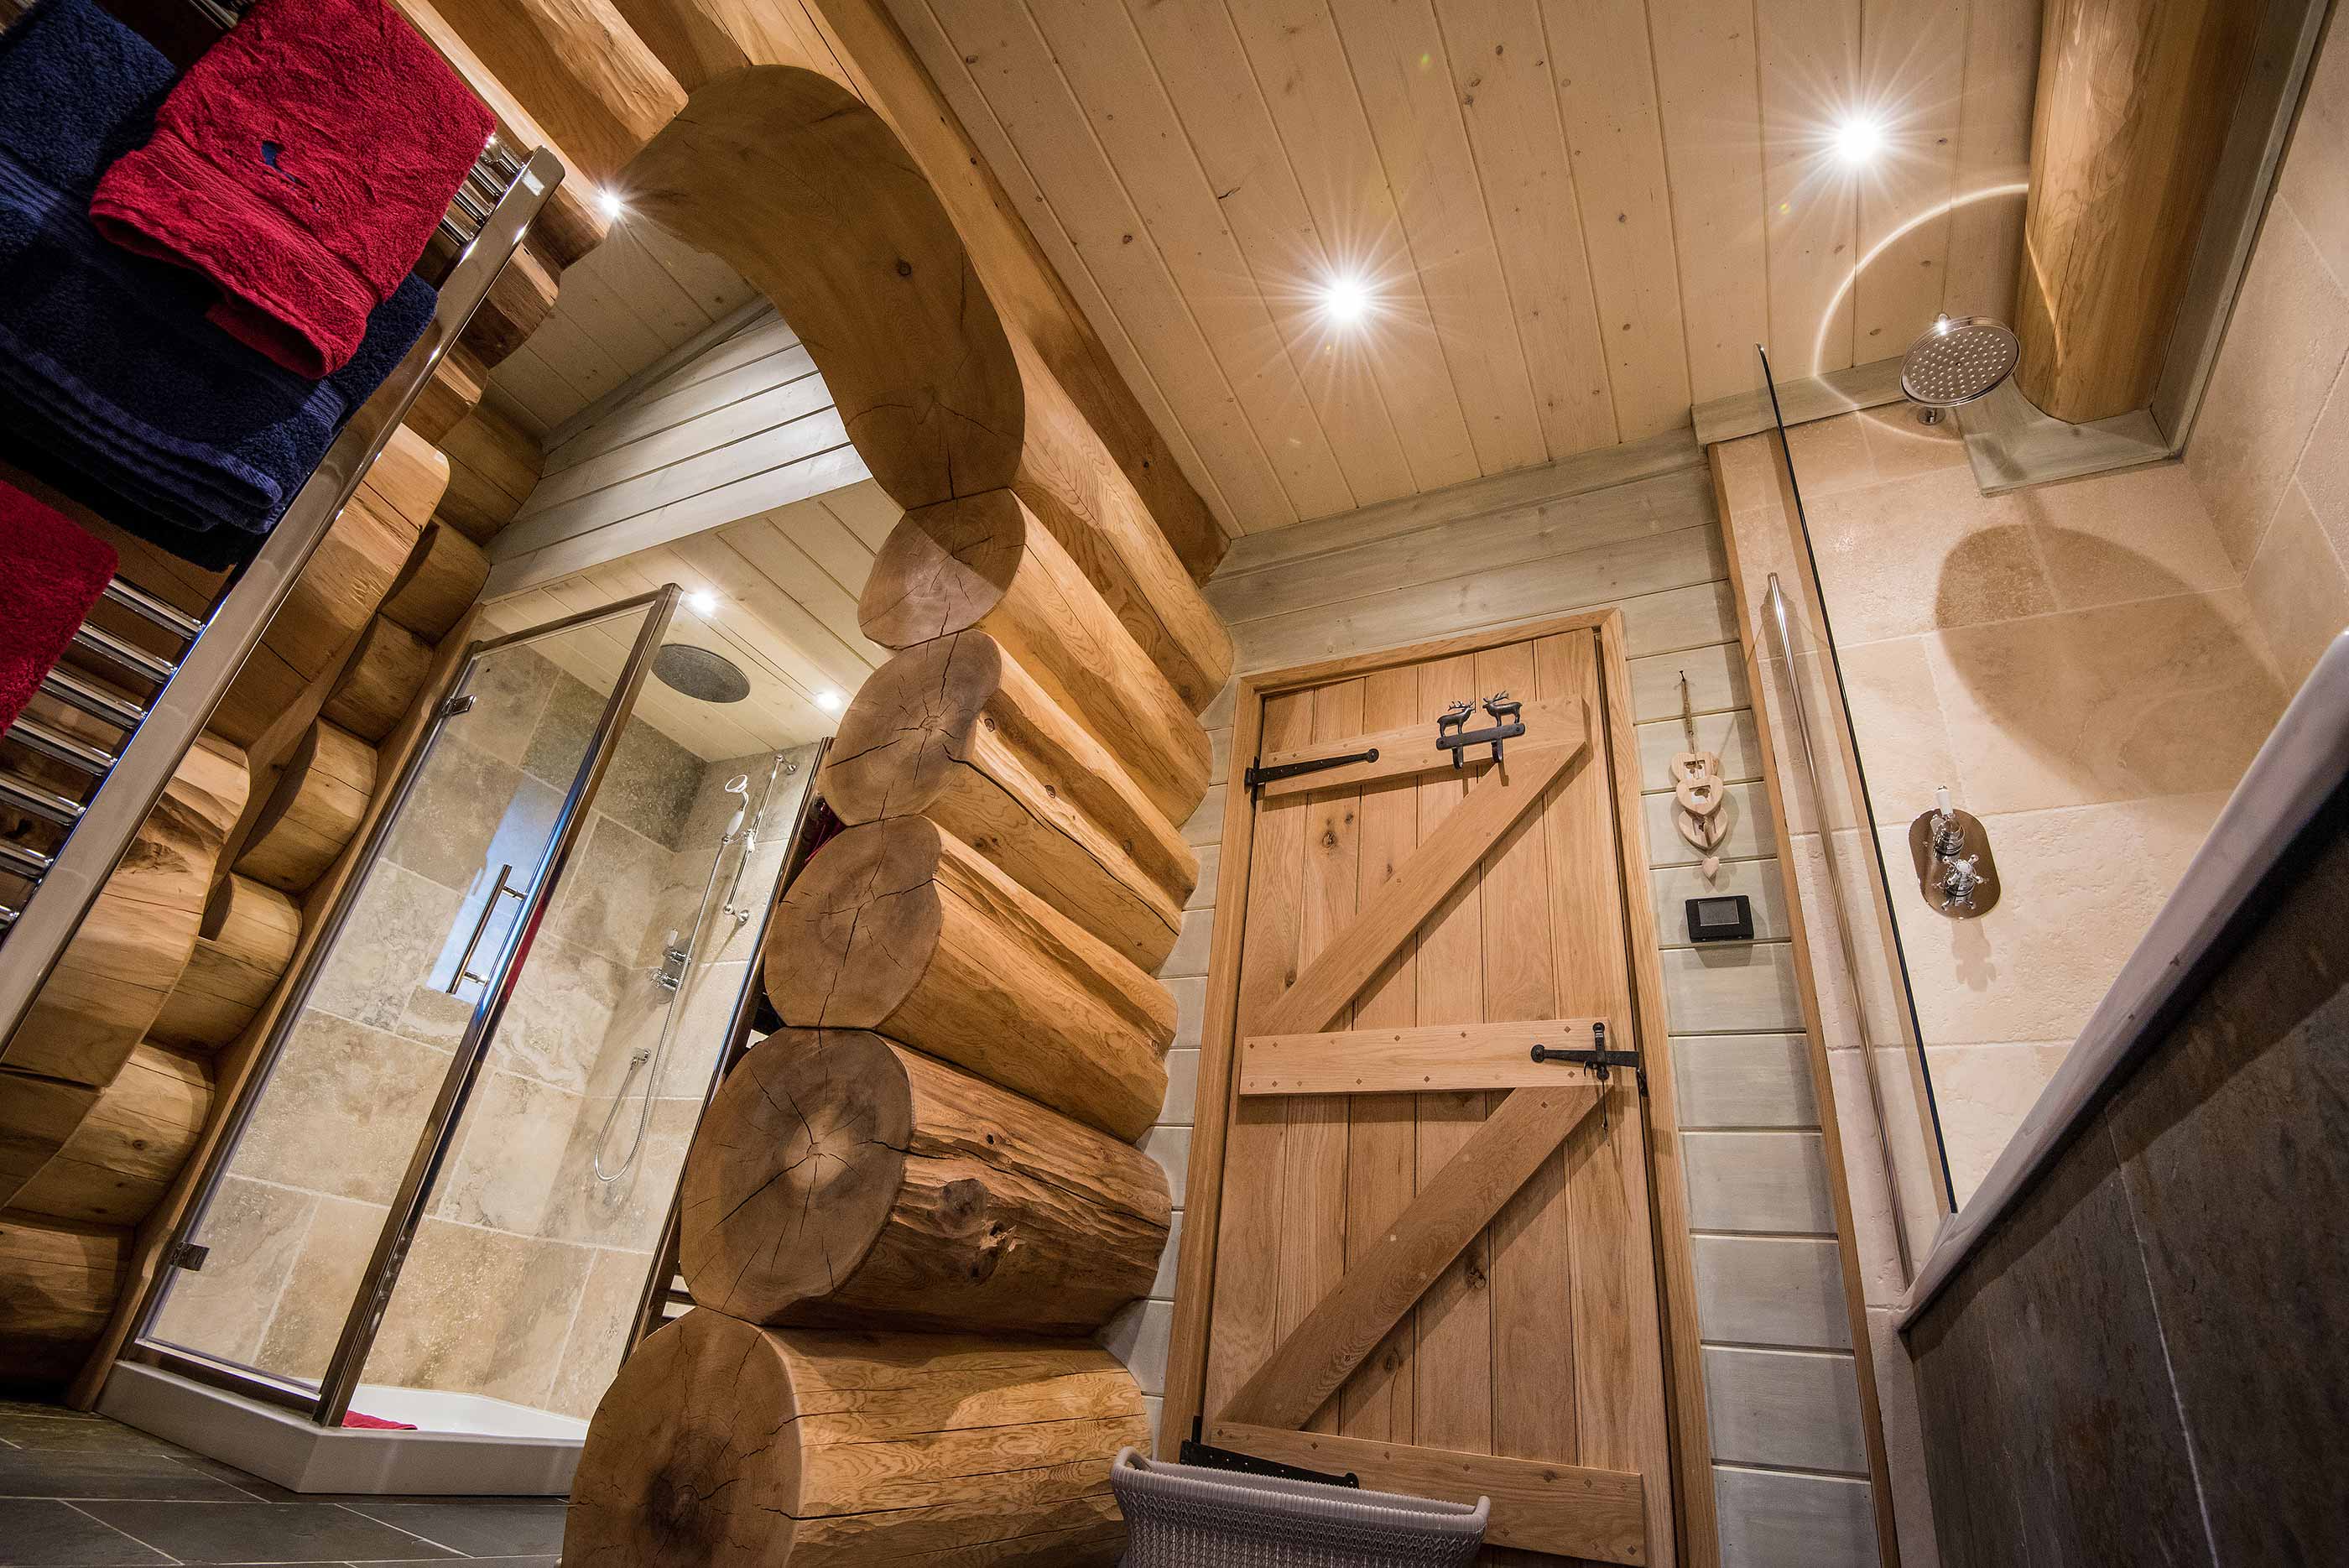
1258, 775
1193, 1451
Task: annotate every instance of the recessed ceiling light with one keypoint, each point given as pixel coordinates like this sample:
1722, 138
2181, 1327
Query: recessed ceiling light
608, 203
1859, 140
703, 602
1346, 299
828, 700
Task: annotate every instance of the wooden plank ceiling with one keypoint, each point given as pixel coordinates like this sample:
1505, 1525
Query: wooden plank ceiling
633, 299
774, 593
1577, 217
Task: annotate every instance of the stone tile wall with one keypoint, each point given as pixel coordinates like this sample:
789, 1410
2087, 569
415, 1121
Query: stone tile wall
2270, 447
2079, 664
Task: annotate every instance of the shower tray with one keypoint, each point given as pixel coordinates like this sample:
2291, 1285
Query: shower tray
480, 1447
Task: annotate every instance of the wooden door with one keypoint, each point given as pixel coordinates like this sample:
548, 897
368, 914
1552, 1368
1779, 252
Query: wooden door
1432, 1264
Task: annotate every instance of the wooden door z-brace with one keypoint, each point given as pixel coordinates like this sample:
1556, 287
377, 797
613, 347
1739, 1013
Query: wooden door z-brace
1537, 1504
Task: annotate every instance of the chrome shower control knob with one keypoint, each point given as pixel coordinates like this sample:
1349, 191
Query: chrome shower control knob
1959, 878
1949, 836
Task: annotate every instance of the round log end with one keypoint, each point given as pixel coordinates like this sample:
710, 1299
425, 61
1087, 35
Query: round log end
794, 1171
943, 568
906, 726
856, 933
688, 1463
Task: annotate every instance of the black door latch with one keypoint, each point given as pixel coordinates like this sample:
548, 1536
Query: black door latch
1453, 736
1601, 1061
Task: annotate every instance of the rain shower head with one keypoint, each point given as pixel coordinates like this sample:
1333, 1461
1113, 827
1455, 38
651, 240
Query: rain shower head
1957, 361
699, 674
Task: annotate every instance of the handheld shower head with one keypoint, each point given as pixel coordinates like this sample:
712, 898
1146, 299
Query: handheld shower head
739, 784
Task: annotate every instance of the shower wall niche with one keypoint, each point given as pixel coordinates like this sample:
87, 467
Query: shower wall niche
526, 1263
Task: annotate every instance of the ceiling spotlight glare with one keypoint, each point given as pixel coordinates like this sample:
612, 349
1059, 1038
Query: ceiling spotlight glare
1858, 141
608, 203
1346, 300
828, 700
702, 602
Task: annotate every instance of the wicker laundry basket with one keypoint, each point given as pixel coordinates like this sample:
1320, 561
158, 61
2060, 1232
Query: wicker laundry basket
1184, 1516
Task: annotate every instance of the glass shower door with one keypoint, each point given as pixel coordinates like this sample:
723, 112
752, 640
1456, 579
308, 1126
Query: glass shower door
305, 1223
514, 1303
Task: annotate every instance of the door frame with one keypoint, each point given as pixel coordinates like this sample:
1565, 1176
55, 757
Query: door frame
1684, 1400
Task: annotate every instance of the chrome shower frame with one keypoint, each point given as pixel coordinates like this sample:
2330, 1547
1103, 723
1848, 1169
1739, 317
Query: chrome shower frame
330, 1401
675, 972
797, 851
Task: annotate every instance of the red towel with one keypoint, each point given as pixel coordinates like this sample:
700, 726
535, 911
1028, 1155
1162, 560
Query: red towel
302, 165
51, 573
376, 1423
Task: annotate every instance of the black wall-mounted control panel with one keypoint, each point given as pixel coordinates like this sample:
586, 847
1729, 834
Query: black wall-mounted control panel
1727, 918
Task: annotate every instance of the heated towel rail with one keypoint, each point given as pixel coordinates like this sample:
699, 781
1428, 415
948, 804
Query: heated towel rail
119, 784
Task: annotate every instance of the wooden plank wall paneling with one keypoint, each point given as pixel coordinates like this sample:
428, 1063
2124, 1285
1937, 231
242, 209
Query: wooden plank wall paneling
745, 427
731, 475
1576, 219
1787, 1444
634, 299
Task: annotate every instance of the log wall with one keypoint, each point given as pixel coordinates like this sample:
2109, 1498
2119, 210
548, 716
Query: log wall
937, 1150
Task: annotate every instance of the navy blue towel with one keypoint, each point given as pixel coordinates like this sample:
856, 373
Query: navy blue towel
113, 387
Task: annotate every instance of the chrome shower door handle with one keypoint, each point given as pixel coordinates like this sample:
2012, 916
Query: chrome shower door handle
489, 907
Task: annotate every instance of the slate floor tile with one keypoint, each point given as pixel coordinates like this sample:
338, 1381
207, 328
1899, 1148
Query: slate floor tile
40, 1532
33, 1472
482, 1526
227, 1532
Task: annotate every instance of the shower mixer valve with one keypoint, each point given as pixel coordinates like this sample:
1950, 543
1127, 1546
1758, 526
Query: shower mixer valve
1956, 874
671, 973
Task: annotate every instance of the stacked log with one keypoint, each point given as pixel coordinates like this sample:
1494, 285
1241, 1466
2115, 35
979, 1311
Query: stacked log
984, 563
902, 1203
439, 585
724, 1442
896, 926
840, 1178
247, 942
453, 391
944, 399
957, 732
382, 677
493, 465
114, 976
331, 601
89, 1116
58, 1283
312, 813
114, 1168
